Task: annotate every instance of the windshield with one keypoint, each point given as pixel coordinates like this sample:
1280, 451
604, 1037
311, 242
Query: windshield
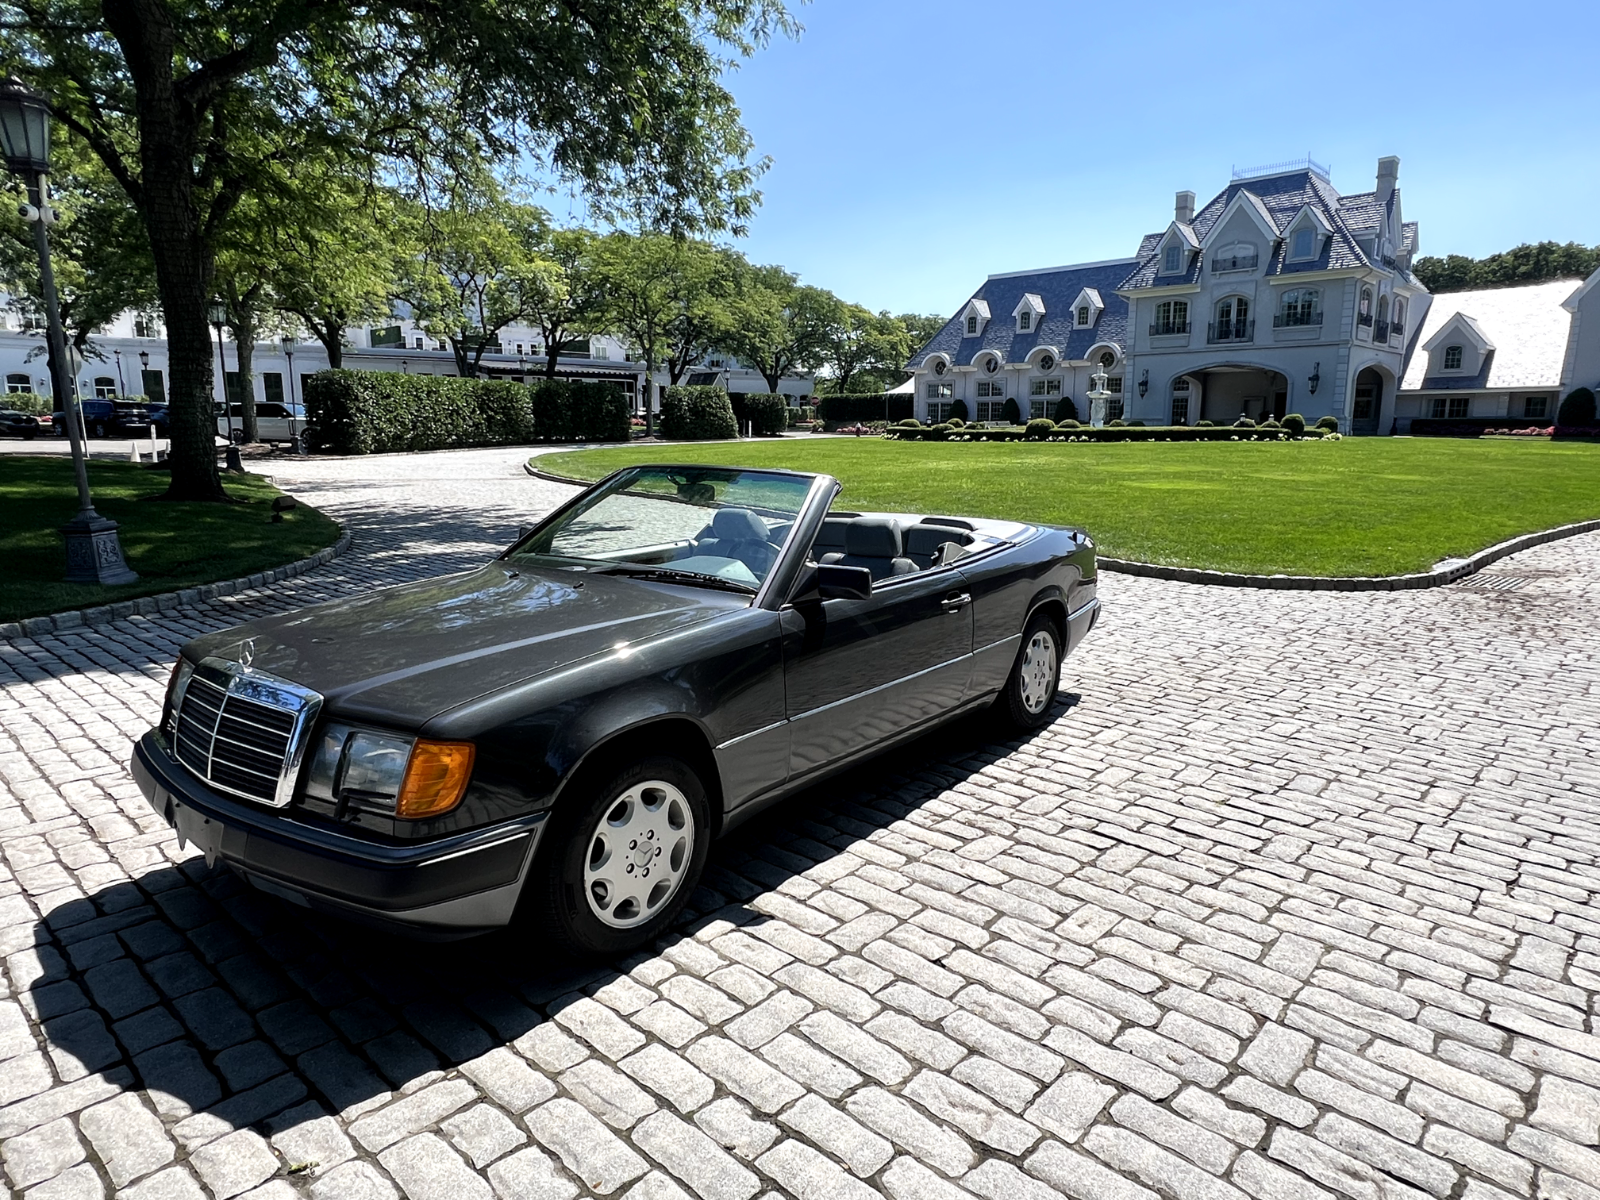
711, 526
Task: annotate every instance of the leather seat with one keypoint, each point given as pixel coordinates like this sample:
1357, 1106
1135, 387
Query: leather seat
875, 545
738, 533
926, 545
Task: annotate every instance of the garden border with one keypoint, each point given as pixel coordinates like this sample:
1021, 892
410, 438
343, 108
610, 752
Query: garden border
146, 606
1446, 572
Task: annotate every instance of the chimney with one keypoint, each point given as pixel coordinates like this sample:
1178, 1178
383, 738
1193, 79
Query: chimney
1388, 173
1183, 208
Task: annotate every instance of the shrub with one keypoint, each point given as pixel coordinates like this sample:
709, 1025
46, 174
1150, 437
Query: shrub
697, 414
1040, 428
956, 423
1069, 423
958, 412
796, 414
1269, 423
27, 402
1244, 422
1331, 424
571, 410
939, 432
1136, 425
1295, 424
1010, 413
1116, 423
764, 413
374, 412
1205, 424
865, 406
911, 423
1577, 409
1066, 410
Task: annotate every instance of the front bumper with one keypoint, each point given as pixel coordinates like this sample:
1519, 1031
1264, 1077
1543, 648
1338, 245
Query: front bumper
452, 887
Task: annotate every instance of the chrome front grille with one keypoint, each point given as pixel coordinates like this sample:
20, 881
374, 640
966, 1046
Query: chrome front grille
243, 731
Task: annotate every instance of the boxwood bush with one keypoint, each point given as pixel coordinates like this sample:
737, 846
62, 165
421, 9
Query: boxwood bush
377, 412
1331, 424
1578, 408
865, 406
766, 413
697, 414
575, 410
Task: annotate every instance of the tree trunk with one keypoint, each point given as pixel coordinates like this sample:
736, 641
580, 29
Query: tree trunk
183, 261
773, 378
459, 349
550, 359
244, 345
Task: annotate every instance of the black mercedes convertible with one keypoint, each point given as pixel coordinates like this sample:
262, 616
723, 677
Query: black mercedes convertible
559, 734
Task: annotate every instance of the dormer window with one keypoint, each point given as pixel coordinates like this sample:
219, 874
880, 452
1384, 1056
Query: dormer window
1171, 260
1083, 316
1303, 244
1024, 320
1452, 358
972, 324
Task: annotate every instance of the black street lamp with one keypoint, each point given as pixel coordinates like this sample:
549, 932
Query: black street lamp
94, 552
122, 387
218, 312
286, 344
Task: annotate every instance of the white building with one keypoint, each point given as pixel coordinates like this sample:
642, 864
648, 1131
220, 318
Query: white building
1279, 295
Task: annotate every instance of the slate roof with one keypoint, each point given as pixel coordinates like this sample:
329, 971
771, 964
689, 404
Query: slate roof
1281, 197
1527, 325
1058, 287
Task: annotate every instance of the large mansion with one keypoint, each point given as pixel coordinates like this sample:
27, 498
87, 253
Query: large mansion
1279, 295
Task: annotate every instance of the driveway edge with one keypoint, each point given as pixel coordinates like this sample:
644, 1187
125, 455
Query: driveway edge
147, 606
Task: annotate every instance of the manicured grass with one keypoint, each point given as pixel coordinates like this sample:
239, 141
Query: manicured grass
1360, 506
171, 546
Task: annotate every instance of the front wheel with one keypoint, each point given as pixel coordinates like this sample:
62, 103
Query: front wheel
624, 857
1030, 690
97, 430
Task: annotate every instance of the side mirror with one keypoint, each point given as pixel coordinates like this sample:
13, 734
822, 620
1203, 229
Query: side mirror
836, 582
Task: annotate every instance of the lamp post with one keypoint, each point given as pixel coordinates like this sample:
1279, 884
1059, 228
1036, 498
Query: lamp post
286, 344
122, 387
94, 552
218, 312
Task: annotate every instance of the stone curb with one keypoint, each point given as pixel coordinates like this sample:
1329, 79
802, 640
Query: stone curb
1452, 570
146, 606
1448, 572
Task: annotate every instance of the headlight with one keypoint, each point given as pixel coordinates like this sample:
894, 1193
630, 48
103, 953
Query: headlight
387, 773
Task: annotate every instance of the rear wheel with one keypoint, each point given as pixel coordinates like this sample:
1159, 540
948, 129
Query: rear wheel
1030, 691
97, 430
624, 857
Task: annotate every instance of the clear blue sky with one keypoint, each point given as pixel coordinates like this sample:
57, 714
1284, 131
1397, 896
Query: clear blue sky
920, 145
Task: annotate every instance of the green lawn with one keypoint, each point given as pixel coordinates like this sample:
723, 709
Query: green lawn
1360, 506
171, 546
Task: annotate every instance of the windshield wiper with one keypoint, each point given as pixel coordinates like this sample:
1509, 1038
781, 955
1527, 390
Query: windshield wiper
692, 578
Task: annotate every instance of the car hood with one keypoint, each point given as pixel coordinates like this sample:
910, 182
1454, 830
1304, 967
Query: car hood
404, 654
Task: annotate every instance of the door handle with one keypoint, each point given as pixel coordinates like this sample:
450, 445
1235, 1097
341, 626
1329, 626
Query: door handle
955, 602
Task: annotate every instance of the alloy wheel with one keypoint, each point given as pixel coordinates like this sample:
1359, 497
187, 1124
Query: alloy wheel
638, 854
1037, 672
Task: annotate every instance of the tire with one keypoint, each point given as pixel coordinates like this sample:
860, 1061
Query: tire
97, 430
29, 434
588, 896
1030, 690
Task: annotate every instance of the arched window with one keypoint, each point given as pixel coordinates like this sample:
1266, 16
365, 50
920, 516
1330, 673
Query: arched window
1239, 256
1399, 315
1108, 360
105, 387
1383, 308
1452, 358
18, 383
1233, 320
1364, 308
1083, 316
1301, 306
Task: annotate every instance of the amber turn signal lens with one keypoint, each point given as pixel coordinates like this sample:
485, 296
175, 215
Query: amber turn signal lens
436, 778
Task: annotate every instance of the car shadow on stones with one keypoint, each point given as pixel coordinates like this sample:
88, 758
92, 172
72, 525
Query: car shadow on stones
235, 1009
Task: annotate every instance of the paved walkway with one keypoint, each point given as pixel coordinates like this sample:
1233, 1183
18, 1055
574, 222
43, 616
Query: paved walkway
1294, 900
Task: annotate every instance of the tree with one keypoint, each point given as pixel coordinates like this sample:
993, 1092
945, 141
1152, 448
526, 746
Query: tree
636, 273
778, 325
476, 272
564, 300
921, 328
98, 250
864, 349
195, 108
1527, 263
702, 281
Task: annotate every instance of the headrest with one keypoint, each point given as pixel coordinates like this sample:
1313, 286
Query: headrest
738, 525
867, 538
926, 539
832, 532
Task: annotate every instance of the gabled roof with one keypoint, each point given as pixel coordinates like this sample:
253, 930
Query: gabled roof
1281, 197
1584, 288
1527, 326
1057, 288
981, 307
1030, 300
1462, 321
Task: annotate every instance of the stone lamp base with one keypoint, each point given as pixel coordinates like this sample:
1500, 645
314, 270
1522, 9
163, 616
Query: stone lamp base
94, 554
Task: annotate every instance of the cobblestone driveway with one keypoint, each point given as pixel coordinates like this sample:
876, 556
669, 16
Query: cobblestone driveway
1293, 900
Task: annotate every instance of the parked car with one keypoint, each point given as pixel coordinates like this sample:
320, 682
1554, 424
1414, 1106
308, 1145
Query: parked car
274, 422
561, 732
26, 426
109, 418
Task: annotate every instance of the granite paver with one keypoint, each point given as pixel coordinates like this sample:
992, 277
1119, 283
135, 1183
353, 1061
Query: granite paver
1295, 898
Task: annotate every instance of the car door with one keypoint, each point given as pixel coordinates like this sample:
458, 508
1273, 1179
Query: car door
272, 422
859, 671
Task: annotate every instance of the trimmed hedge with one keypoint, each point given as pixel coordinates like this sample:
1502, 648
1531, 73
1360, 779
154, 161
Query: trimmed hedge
1066, 410
697, 414
1109, 433
766, 412
1577, 409
378, 412
28, 402
865, 406
576, 410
